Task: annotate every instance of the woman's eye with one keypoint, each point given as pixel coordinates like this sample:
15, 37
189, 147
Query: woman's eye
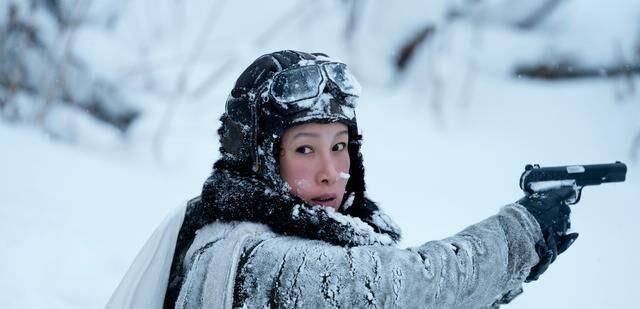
339, 146
304, 150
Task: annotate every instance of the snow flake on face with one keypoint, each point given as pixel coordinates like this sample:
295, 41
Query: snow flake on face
301, 185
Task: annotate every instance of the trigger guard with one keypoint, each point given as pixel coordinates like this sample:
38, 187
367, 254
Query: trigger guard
576, 199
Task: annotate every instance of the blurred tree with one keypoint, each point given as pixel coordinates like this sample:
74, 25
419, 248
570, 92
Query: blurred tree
32, 66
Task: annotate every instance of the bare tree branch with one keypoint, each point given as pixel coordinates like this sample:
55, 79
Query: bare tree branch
407, 51
566, 70
213, 79
538, 15
175, 100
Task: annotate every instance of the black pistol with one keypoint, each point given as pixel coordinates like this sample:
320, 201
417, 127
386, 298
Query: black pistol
538, 179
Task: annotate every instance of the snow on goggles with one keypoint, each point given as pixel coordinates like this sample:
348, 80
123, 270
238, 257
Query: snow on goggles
290, 87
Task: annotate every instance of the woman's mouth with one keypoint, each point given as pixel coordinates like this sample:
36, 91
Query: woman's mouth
325, 200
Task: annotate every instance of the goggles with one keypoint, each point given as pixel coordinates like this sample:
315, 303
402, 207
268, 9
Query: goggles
295, 89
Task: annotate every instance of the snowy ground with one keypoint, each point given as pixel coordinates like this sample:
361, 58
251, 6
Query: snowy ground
73, 216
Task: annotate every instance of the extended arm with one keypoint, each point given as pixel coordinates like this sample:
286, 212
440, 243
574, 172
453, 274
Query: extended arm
472, 269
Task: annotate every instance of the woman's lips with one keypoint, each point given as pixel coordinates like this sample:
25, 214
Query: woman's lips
326, 200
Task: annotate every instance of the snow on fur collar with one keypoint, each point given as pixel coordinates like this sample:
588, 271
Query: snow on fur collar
228, 196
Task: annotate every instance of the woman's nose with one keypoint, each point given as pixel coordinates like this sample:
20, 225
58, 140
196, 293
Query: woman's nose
327, 174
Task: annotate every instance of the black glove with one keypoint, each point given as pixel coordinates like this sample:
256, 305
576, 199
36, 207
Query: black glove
552, 213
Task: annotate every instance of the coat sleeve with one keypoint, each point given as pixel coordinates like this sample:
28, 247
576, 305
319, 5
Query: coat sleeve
472, 269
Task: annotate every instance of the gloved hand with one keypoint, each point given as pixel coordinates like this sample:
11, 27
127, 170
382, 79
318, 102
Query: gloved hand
552, 213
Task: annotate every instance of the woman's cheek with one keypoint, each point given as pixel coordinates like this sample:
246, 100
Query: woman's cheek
302, 180
300, 187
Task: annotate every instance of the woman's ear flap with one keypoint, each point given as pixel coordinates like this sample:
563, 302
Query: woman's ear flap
234, 142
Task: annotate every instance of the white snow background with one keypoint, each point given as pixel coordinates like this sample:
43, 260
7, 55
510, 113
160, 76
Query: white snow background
444, 145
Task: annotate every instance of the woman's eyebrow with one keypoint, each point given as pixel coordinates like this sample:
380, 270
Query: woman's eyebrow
307, 134
316, 135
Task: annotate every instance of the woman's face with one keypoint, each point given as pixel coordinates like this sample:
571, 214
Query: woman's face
314, 161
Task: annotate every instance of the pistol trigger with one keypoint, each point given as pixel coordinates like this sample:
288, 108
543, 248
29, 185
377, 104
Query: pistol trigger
577, 197
578, 194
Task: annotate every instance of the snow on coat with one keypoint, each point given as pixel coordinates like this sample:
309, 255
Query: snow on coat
252, 248
242, 264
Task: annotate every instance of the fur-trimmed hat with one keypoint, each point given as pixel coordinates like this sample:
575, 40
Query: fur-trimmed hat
254, 120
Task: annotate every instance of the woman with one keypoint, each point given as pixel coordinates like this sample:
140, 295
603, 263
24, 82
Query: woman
283, 220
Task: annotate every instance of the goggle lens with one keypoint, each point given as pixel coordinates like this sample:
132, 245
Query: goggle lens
342, 77
309, 81
297, 84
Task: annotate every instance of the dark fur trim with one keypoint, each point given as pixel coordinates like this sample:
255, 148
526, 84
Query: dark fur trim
228, 196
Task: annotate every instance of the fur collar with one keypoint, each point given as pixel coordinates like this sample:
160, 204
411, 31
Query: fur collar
228, 196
